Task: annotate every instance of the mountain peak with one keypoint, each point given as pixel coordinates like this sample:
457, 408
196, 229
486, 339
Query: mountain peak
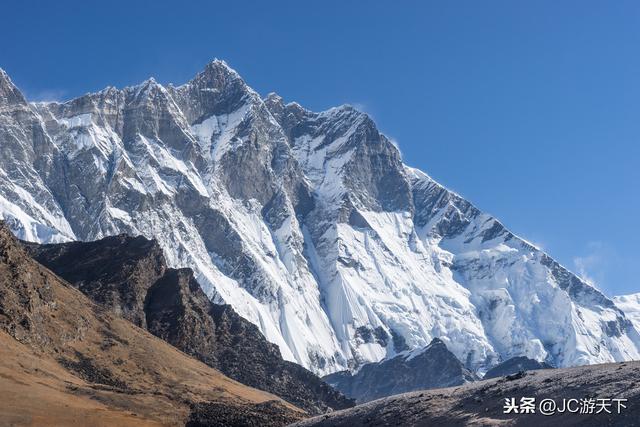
220, 64
217, 89
273, 97
9, 93
217, 73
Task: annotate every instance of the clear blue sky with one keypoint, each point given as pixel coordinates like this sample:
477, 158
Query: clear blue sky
530, 109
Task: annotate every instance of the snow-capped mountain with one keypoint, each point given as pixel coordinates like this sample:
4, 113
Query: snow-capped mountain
307, 223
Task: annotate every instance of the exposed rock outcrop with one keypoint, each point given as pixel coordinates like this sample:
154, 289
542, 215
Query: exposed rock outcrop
65, 360
129, 276
431, 367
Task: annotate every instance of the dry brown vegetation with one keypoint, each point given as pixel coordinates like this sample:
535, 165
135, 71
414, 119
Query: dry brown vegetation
66, 361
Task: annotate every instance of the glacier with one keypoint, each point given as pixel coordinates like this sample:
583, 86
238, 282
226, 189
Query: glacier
308, 223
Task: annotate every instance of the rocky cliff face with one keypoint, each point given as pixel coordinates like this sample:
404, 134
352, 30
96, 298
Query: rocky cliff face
431, 367
129, 277
308, 224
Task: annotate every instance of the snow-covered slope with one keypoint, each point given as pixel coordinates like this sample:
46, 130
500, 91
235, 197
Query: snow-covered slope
630, 305
308, 223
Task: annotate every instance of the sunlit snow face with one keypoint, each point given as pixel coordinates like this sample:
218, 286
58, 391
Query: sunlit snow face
308, 224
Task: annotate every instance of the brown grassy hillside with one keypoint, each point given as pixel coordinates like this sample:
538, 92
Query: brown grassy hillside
66, 361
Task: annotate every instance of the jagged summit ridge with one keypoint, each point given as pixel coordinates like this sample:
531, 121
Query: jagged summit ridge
433, 366
9, 94
307, 223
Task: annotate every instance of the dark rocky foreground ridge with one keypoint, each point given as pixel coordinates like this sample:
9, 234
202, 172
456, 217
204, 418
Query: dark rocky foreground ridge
431, 367
482, 403
129, 277
65, 360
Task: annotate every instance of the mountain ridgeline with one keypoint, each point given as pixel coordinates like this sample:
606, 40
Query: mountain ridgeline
431, 367
129, 277
66, 360
307, 223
